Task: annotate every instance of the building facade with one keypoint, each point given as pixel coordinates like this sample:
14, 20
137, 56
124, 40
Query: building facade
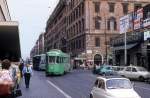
83, 28
38, 47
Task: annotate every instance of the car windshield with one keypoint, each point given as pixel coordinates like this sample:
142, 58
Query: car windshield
118, 84
141, 69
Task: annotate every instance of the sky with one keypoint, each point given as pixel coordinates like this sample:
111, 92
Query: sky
32, 16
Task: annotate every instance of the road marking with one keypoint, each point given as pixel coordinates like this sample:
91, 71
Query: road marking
142, 87
61, 91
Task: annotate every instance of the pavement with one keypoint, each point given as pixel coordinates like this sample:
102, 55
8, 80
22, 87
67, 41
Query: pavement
76, 84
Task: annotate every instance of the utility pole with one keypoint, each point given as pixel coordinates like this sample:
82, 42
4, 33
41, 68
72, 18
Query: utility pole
105, 39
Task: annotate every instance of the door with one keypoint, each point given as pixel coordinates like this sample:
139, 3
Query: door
127, 72
134, 74
97, 59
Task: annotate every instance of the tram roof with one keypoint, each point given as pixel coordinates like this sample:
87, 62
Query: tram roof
57, 53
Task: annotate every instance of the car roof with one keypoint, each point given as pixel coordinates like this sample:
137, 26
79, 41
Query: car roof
111, 77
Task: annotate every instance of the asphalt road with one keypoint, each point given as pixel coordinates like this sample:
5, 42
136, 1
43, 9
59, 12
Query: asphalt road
76, 84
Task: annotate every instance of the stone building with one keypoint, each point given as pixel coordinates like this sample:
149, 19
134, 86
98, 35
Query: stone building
83, 28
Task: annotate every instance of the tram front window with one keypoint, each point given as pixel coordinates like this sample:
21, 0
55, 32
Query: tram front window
51, 59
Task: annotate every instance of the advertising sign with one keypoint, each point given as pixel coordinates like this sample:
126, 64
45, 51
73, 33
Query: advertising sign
146, 22
146, 35
131, 18
124, 24
138, 18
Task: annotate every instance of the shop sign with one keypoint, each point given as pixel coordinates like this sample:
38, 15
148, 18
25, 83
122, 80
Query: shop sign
146, 35
88, 51
138, 17
146, 22
131, 17
124, 24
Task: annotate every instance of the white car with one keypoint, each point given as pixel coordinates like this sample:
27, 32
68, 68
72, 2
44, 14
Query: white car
135, 72
113, 87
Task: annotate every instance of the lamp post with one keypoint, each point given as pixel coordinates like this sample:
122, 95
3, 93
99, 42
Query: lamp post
105, 38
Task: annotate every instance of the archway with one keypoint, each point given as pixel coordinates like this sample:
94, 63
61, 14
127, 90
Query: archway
97, 59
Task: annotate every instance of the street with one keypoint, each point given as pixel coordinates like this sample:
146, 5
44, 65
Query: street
76, 84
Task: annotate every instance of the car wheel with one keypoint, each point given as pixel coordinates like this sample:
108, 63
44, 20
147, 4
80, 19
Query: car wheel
91, 96
141, 78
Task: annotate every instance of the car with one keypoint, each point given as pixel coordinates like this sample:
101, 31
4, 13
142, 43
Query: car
135, 72
113, 87
104, 69
118, 68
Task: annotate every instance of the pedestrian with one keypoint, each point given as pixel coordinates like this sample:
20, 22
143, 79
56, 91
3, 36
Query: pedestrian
27, 73
6, 80
21, 65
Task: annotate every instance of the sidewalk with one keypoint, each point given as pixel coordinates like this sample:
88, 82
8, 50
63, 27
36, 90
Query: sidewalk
39, 88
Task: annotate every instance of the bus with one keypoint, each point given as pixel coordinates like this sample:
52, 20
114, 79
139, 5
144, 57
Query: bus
57, 62
42, 64
36, 62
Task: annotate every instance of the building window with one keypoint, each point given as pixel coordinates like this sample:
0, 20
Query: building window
97, 42
125, 8
80, 27
137, 6
97, 7
79, 44
112, 24
82, 8
97, 22
79, 10
83, 25
111, 7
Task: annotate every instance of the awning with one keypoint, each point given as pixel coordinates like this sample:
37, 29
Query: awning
123, 47
9, 40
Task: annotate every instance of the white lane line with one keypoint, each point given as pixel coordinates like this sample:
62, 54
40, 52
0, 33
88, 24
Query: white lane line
142, 87
61, 91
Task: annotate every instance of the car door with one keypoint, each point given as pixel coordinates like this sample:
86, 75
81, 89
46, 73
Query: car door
100, 90
94, 90
134, 74
128, 72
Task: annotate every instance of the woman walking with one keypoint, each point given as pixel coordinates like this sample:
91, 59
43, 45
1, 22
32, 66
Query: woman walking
27, 72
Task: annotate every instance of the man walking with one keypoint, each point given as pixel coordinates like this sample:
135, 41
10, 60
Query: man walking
27, 72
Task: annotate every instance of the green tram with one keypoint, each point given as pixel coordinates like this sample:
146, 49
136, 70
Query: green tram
57, 62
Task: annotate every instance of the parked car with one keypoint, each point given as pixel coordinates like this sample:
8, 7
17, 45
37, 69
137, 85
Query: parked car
135, 72
113, 87
104, 69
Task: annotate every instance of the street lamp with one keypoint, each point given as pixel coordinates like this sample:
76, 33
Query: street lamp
105, 38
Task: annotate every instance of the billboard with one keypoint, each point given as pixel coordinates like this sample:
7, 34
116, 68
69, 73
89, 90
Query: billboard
124, 24
146, 17
146, 35
138, 18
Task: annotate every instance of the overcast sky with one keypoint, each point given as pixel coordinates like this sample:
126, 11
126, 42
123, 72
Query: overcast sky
32, 16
